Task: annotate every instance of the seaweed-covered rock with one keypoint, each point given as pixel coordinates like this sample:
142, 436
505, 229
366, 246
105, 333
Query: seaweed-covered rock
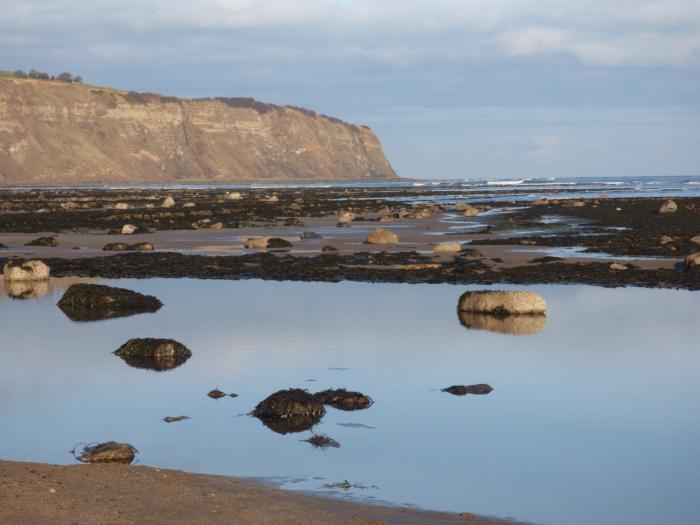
502, 302
51, 242
92, 302
509, 324
276, 243
463, 390
322, 441
154, 354
344, 400
26, 270
115, 247
288, 411
382, 236
109, 452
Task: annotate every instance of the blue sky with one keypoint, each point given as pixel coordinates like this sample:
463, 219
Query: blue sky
454, 89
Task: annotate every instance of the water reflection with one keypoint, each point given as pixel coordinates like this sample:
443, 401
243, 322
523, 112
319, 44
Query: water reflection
510, 324
157, 364
26, 289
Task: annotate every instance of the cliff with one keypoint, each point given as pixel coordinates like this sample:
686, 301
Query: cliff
57, 133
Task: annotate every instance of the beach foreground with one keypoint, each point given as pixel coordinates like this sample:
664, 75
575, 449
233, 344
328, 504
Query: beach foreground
34, 493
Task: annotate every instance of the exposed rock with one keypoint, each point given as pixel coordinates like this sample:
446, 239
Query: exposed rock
665, 239
447, 247
695, 240
293, 221
189, 205
115, 247
256, 243
155, 354
693, 260
292, 410
462, 206
29, 270
275, 243
216, 394
128, 229
345, 217
470, 211
233, 196
142, 247
344, 400
69, 205
618, 267
2, 246
463, 390
51, 242
174, 419
540, 202
573, 204
310, 235
382, 236
122, 206
110, 452
92, 302
168, 202
668, 207
502, 302
510, 324
271, 199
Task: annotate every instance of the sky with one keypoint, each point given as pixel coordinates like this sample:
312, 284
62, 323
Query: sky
454, 89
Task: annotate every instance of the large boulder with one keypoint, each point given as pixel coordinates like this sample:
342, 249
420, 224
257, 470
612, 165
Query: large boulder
447, 247
21, 270
92, 302
509, 324
382, 236
110, 452
668, 207
344, 400
154, 354
502, 303
292, 410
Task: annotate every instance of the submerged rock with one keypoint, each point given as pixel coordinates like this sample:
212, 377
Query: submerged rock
322, 441
51, 242
382, 236
668, 207
288, 411
174, 419
344, 400
26, 270
509, 324
154, 354
92, 302
109, 452
502, 302
463, 390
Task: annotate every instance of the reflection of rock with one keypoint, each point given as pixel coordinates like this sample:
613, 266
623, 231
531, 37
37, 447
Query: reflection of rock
463, 390
110, 452
154, 354
502, 303
510, 324
31, 270
344, 400
92, 302
292, 410
26, 289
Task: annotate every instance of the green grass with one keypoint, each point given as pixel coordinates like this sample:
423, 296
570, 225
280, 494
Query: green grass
6, 74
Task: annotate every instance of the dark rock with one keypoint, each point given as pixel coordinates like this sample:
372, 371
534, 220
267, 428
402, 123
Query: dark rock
174, 419
462, 390
109, 452
287, 411
277, 243
51, 242
293, 221
344, 400
2, 246
93, 302
115, 247
322, 441
153, 354
216, 394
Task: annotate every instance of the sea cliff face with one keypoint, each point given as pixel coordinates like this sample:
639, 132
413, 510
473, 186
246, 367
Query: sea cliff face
57, 133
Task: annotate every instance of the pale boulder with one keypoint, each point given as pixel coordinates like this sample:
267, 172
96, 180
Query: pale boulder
345, 217
695, 240
122, 206
447, 247
256, 243
233, 196
693, 260
668, 207
618, 267
271, 199
471, 211
128, 229
382, 236
502, 302
168, 202
31, 270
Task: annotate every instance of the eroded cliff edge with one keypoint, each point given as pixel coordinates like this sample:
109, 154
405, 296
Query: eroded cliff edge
57, 133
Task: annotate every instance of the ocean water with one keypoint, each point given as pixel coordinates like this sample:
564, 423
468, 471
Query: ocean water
593, 418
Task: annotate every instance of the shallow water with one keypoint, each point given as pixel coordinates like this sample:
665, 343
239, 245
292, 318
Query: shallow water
594, 419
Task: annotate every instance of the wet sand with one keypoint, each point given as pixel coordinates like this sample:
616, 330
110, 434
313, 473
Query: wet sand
39, 494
